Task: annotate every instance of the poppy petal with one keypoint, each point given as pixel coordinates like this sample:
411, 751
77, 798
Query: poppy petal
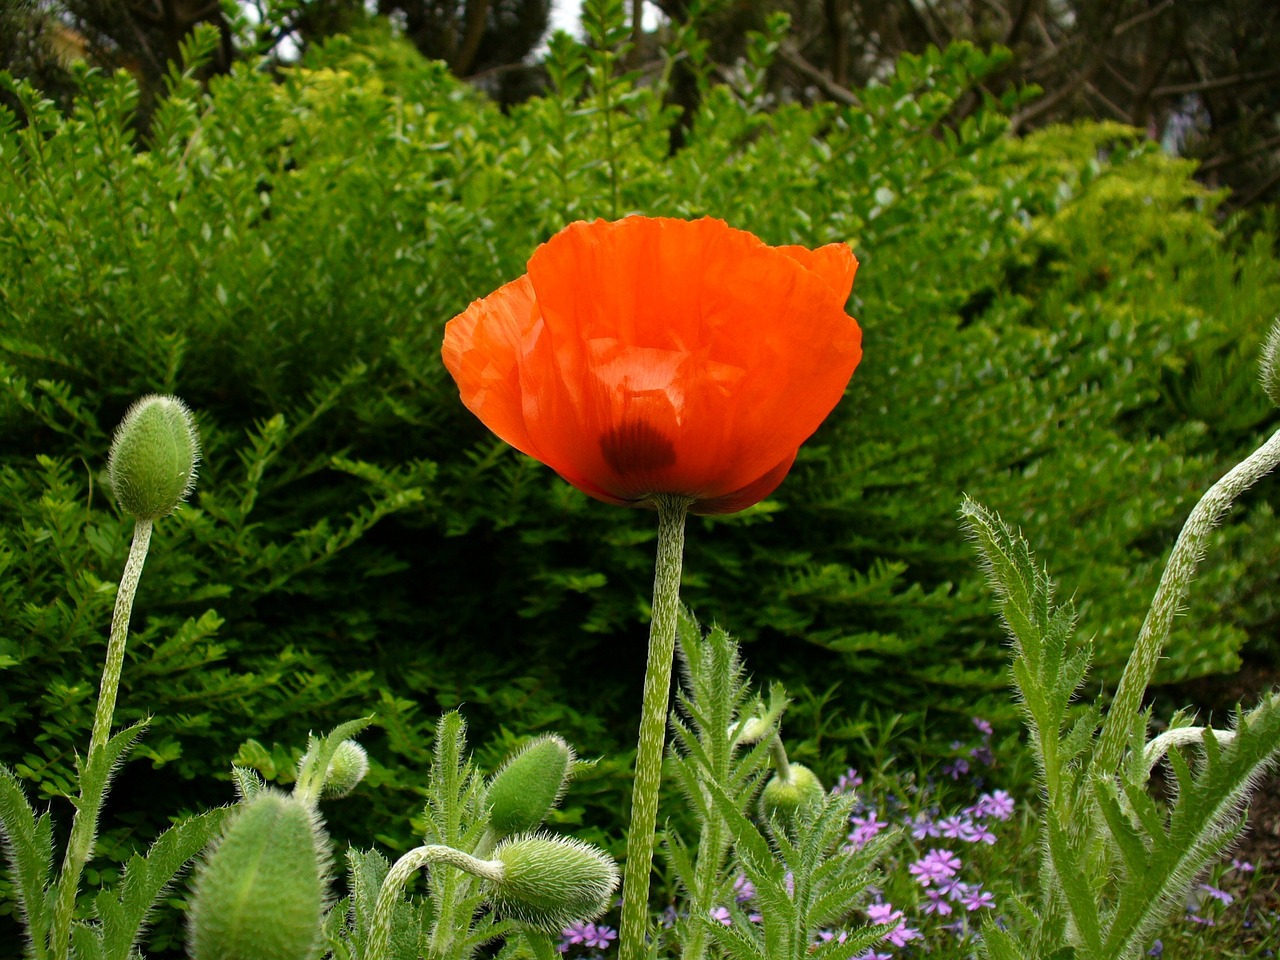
652, 355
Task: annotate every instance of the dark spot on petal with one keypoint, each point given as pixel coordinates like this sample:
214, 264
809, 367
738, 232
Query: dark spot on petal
636, 449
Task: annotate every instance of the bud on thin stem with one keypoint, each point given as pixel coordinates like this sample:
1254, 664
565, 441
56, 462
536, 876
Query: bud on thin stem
1174, 583
260, 893
528, 786
394, 883
152, 465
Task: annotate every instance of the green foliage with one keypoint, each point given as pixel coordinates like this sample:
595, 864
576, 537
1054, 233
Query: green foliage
804, 878
1117, 862
1044, 323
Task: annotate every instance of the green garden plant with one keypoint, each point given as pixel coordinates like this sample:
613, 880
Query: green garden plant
1059, 326
1115, 862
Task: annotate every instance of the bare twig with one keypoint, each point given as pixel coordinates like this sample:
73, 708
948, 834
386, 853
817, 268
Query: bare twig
829, 86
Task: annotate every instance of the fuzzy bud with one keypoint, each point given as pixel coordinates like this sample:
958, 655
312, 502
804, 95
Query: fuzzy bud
783, 799
348, 767
753, 730
152, 464
260, 893
1271, 363
528, 786
550, 882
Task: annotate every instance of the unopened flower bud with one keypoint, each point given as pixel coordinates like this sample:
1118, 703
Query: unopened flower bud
783, 799
152, 465
347, 768
1271, 363
753, 730
528, 786
550, 882
260, 893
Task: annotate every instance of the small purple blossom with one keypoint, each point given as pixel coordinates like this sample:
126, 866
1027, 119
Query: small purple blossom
864, 828
935, 866
983, 755
847, 782
1243, 866
743, 889
972, 831
957, 768
1157, 949
975, 898
997, 804
1220, 895
936, 903
722, 915
950, 827
901, 934
984, 726
590, 935
922, 826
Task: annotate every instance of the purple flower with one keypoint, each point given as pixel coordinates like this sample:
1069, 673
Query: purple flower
1244, 866
983, 755
950, 827
1220, 895
936, 865
975, 898
997, 804
864, 828
936, 903
847, 782
973, 832
983, 726
1157, 949
743, 889
901, 934
957, 768
722, 915
922, 826
883, 913
586, 934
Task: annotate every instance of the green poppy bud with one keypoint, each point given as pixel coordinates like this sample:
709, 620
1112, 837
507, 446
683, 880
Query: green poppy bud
528, 786
782, 799
152, 464
260, 892
550, 882
347, 768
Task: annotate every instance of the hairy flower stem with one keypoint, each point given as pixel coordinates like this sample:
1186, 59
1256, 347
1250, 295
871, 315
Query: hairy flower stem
653, 726
1181, 567
84, 825
780, 762
393, 888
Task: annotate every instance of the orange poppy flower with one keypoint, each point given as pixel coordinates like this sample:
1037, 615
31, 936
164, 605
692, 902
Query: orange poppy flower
658, 356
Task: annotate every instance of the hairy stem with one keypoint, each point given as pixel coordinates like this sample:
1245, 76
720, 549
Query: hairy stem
84, 825
1169, 595
393, 888
653, 726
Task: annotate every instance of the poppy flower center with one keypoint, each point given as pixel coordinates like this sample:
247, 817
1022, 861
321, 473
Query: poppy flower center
636, 448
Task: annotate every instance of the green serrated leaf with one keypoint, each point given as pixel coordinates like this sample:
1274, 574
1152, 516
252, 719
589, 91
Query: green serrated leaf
147, 878
29, 844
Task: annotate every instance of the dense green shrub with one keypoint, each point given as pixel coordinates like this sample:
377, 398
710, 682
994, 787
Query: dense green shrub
283, 253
